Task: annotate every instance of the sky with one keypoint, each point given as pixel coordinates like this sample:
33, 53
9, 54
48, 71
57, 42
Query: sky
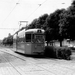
13, 12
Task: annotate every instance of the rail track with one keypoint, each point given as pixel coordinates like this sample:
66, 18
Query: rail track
39, 62
12, 53
10, 63
17, 55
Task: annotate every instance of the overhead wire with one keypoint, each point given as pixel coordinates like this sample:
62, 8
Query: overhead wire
8, 15
36, 9
10, 12
26, 18
18, 1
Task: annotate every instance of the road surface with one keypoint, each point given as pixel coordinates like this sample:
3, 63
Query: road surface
16, 64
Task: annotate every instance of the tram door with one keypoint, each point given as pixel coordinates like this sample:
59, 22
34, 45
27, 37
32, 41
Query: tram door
28, 43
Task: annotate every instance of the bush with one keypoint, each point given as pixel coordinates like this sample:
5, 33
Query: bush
50, 51
58, 52
63, 52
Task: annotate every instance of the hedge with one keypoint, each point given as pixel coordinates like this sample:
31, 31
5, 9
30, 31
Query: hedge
58, 52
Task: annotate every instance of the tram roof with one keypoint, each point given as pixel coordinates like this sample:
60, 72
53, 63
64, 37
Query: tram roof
30, 30
34, 30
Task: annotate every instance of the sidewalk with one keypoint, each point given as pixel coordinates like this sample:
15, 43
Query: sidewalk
9, 65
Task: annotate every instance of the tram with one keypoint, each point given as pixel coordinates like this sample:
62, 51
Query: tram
31, 41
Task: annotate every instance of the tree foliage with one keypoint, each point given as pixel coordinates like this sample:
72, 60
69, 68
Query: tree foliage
41, 21
38, 23
58, 25
33, 24
8, 40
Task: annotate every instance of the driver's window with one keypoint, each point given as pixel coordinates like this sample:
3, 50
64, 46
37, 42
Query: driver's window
28, 37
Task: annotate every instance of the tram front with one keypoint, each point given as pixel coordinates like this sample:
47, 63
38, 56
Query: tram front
38, 40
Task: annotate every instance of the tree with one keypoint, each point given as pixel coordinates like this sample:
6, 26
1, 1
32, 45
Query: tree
67, 22
4, 41
54, 26
58, 25
38, 23
69, 26
63, 26
73, 3
33, 24
8, 40
41, 21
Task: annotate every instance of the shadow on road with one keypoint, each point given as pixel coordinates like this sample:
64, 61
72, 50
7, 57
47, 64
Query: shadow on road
37, 56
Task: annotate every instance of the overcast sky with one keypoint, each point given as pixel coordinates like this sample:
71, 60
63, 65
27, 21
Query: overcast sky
13, 11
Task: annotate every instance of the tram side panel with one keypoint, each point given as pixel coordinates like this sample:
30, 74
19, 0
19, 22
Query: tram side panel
20, 46
23, 43
14, 41
28, 48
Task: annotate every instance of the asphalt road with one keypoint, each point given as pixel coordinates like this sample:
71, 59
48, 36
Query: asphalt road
26, 65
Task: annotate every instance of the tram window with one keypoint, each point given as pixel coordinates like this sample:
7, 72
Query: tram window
38, 38
28, 37
21, 40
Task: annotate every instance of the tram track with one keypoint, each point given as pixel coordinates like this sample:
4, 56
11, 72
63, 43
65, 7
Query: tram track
11, 64
23, 60
32, 62
15, 55
19, 56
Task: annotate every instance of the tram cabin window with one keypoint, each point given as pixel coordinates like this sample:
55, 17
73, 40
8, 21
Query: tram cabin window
28, 37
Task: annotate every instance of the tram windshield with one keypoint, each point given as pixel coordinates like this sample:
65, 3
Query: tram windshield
38, 38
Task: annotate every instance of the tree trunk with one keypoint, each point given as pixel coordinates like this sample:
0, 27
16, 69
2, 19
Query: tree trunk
47, 43
60, 43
